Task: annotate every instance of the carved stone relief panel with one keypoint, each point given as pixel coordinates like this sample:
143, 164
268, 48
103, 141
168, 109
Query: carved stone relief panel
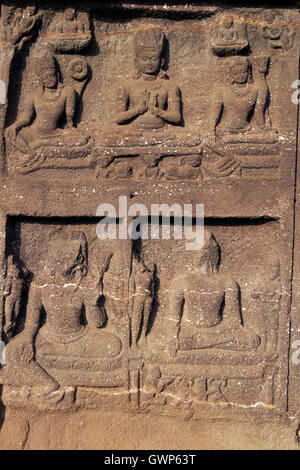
166, 105
82, 314
143, 110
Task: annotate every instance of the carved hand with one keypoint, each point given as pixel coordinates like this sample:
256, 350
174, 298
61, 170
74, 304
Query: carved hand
153, 105
97, 317
211, 137
144, 103
11, 132
23, 349
9, 329
6, 287
27, 353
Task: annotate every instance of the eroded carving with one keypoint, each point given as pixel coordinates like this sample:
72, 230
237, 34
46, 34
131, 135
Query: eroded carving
240, 121
205, 308
70, 32
188, 167
13, 289
75, 319
19, 25
149, 101
277, 31
229, 37
141, 291
93, 327
36, 136
117, 324
240, 98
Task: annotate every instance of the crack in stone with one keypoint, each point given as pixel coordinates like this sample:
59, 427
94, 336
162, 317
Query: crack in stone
176, 397
27, 432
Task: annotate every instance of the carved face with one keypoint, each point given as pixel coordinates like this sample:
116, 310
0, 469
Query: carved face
13, 271
70, 14
31, 10
49, 77
149, 61
269, 16
228, 22
239, 73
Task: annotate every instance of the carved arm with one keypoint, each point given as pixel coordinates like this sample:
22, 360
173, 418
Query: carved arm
95, 312
70, 106
232, 311
260, 108
123, 114
174, 318
25, 117
173, 113
216, 109
34, 307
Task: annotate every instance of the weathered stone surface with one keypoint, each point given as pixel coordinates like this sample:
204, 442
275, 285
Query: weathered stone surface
149, 104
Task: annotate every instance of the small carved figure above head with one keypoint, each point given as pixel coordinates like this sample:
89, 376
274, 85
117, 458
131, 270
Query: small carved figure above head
149, 101
70, 14
36, 134
277, 31
229, 37
70, 32
205, 310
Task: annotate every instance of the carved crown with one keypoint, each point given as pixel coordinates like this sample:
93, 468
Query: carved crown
151, 39
45, 62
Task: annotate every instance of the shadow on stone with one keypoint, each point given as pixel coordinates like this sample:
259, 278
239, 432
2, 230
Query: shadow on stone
2, 409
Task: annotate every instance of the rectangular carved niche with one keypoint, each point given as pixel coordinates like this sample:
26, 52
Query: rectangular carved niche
147, 323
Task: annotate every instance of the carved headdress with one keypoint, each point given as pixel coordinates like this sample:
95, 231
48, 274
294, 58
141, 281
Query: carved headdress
210, 253
75, 242
151, 39
44, 63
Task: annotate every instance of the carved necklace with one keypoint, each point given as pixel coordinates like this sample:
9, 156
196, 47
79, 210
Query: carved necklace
153, 85
241, 92
53, 97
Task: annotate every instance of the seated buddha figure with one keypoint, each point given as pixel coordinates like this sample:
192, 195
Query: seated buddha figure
69, 299
229, 37
147, 103
70, 32
238, 110
36, 133
205, 309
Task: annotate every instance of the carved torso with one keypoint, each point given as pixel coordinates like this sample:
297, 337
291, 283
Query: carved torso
203, 299
136, 90
228, 35
49, 111
63, 304
237, 107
